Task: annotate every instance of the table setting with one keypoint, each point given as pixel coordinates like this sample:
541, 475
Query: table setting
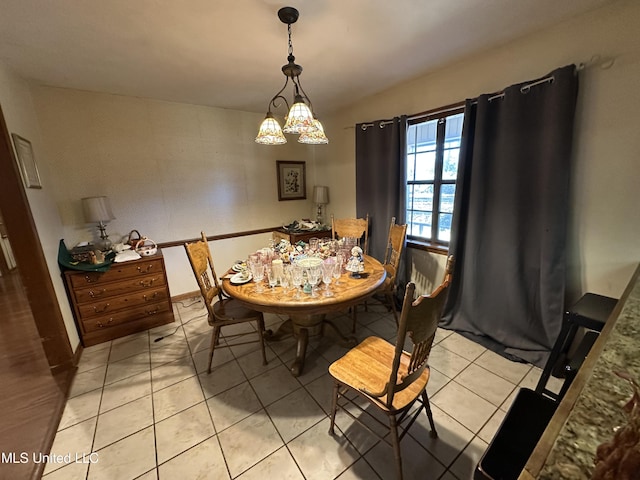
304, 281
300, 269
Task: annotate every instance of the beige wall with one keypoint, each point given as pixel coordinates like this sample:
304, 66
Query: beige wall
605, 225
170, 170
20, 116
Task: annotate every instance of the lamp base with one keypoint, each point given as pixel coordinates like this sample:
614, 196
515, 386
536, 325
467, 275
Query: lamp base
104, 243
320, 214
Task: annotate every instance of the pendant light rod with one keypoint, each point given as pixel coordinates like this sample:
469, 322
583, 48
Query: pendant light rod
299, 119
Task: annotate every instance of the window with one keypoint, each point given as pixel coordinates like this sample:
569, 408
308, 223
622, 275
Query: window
433, 148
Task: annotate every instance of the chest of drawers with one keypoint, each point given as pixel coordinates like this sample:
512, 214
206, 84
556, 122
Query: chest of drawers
128, 298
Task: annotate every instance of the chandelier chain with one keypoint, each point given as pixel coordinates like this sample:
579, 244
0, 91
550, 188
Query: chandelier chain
290, 43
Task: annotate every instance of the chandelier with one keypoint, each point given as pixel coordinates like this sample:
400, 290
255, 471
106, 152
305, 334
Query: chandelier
300, 118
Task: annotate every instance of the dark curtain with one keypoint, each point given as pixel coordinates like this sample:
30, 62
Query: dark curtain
511, 217
380, 183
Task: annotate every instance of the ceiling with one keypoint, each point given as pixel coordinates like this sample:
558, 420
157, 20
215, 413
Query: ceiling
228, 53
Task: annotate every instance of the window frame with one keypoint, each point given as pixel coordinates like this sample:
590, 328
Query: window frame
432, 244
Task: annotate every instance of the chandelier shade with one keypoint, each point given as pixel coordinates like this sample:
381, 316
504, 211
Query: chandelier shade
315, 137
270, 132
300, 118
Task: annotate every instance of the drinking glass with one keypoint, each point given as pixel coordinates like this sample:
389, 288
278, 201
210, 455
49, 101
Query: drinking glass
327, 274
337, 270
313, 277
296, 278
272, 277
313, 244
257, 269
285, 279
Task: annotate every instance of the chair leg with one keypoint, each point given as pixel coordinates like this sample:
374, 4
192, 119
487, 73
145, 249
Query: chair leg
334, 406
355, 318
395, 443
215, 338
261, 335
427, 407
392, 302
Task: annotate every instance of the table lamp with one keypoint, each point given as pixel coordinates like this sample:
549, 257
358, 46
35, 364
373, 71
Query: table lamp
320, 198
98, 210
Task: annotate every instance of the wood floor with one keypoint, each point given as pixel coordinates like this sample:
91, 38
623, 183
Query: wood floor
31, 399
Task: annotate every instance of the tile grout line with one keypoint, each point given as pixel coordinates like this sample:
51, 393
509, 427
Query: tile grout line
153, 412
279, 356
204, 396
95, 431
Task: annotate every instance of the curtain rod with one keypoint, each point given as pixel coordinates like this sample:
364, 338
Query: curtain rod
364, 126
448, 108
523, 89
604, 63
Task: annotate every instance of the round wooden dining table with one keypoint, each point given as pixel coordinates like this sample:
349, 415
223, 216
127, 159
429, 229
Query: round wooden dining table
307, 313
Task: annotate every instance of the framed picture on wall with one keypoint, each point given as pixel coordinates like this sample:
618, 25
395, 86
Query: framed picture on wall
26, 162
292, 182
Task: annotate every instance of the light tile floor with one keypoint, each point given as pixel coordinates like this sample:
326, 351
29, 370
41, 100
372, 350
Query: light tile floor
141, 409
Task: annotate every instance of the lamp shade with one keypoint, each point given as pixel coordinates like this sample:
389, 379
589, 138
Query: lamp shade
97, 209
321, 195
314, 138
300, 118
270, 132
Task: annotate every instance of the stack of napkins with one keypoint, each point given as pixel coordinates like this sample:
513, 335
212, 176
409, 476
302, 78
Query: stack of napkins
126, 256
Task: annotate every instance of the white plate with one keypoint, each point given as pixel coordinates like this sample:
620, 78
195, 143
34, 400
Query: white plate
238, 267
238, 279
309, 262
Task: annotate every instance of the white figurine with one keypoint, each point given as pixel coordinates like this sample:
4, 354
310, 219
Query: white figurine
355, 265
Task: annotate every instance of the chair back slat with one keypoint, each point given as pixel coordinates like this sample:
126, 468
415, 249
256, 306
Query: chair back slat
351, 227
202, 265
395, 246
418, 323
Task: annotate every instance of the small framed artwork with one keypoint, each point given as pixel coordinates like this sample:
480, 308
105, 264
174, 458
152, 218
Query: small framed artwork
26, 162
292, 183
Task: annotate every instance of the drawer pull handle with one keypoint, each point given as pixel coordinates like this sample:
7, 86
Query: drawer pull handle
100, 324
93, 294
146, 299
147, 283
104, 307
152, 312
145, 270
89, 279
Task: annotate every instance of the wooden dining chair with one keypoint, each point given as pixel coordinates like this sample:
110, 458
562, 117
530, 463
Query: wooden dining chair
225, 311
351, 227
391, 264
386, 376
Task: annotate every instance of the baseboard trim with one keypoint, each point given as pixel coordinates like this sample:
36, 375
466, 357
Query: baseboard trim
69, 365
185, 296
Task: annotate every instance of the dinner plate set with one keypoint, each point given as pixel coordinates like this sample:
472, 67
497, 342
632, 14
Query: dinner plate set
242, 275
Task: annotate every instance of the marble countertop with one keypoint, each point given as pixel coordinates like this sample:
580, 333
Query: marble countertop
591, 409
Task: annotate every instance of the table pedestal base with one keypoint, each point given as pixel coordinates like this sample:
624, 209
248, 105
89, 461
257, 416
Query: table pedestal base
302, 327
